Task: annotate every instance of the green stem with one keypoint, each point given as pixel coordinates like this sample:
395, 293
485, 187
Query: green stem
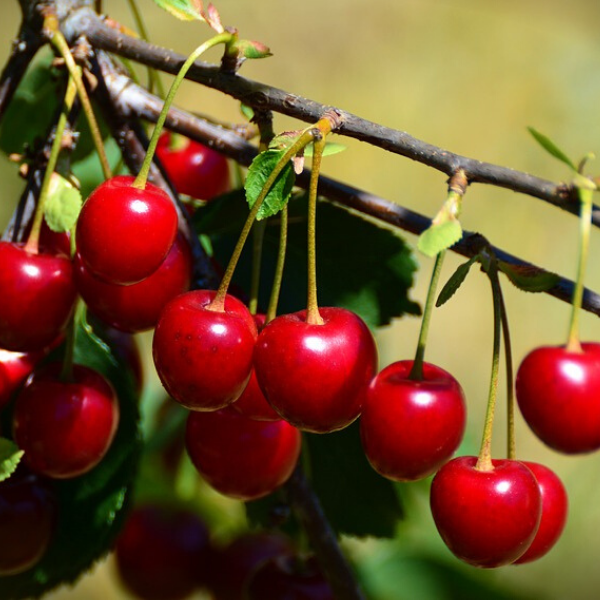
66, 373
484, 461
60, 43
312, 307
416, 373
277, 279
585, 221
218, 302
511, 449
142, 178
34, 236
258, 236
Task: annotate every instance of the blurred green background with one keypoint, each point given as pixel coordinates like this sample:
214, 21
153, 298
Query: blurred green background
469, 76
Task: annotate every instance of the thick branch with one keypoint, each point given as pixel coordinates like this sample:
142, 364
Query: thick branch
266, 97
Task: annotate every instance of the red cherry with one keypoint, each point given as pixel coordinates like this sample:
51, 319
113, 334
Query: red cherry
15, 367
486, 518
124, 233
65, 427
236, 563
136, 307
240, 457
555, 506
27, 520
204, 357
162, 553
316, 376
195, 170
557, 392
289, 578
38, 296
410, 428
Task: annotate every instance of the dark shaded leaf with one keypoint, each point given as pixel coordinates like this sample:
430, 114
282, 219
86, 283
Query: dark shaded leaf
529, 278
455, 281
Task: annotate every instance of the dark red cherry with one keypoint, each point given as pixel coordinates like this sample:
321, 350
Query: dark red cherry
15, 367
555, 507
241, 457
316, 376
125, 233
486, 518
38, 296
28, 511
557, 392
65, 427
410, 428
136, 307
204, 356
163, 552
195, 170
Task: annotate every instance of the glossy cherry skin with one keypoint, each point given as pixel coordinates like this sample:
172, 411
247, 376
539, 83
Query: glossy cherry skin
557, 392
240, 457
134, 308
195, 170
28, 512
38, 296
204, 357
316, 376
162, 553
555, 507
124, 233
15, 367
65, 428
486, 518
410, 428
235, 564
288, 578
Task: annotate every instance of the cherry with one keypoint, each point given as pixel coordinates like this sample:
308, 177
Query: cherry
555, 506
38, 296
15, 367
557, 392
124, 233
136, 307
409, 428
195, 170
27, 519
316, 376
162, 552
65, 427
241, 457
486, 518
289, 578
236, 563
204, 356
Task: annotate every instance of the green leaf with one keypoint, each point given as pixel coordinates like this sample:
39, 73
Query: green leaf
356, 500
247, 111
258, 173
92, 506
439, 237
529, 278
547, 144
10, 456
455, 281
185, 10
330, 149
250, 49
62, 205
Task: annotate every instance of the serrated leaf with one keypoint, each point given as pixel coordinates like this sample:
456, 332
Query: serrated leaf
455, 281
92, 506
529, 278
439, 237
185, 10
251, 49
258, 173
549, 146
10, 456
62, 205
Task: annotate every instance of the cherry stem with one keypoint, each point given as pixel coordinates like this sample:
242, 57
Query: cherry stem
278, 277
511, 445
32, 244
585, 222
258, 236
142, 177
218, 303
66, 373
484, 461
60, 43
416, 372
